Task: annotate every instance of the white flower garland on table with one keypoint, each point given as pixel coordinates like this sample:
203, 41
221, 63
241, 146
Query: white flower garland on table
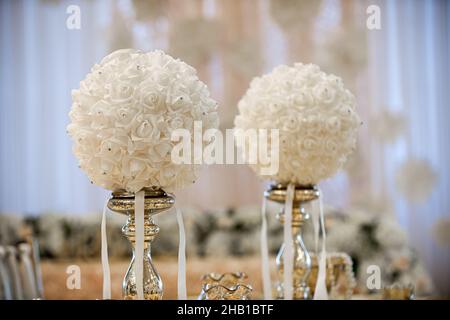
317, 123
316, 117
124, 113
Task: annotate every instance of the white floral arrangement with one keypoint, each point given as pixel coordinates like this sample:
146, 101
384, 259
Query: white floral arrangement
198, 49
294, 14
374, 239
416, 180
389, 126
315, 115
124, 113
149, 10
367, 236
344, 51
441, 231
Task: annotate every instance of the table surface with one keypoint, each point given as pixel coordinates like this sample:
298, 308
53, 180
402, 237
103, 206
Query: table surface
55, 276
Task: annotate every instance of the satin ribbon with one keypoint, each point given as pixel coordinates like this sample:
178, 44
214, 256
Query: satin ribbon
182, 292
320, 292
12, 261
7, 295
29, 280
139, 243
265, 266
104, 256
288, 256
315, 217
37, 269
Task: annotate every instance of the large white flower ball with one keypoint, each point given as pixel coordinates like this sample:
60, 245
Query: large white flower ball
315, 115
124, 113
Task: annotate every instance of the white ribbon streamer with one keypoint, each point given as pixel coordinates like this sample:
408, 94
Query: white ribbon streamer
182, 292
104, 256
14, 269
265, 267
29, 282
320, 292
288, 257
315, 217
7, 295
139, 243
37, 269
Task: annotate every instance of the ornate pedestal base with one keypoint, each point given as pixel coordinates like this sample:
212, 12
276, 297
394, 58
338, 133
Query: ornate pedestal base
302, 259
156, 201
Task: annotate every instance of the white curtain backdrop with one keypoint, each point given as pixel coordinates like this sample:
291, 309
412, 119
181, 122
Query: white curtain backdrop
41, 60
408, 72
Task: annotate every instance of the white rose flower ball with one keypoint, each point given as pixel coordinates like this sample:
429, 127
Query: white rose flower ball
416, 180
123, 115
315, 115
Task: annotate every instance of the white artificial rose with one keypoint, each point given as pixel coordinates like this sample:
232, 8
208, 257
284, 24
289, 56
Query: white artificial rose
331, 146
153, 100
302, 98
291, 122
309, 144
124, 115
333, 124
180, 102
325, 93
145, 127
113, 148
160, 151
121, 92
211, 120
100, 115
176, 122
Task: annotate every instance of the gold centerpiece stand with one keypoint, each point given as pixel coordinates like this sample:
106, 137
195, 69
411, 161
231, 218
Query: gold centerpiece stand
156, 201
302, 260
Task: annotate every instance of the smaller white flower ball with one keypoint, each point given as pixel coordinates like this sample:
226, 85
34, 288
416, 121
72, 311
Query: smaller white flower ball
124, 113
389, 126
416, 180
441, 231
315, 115
294, 14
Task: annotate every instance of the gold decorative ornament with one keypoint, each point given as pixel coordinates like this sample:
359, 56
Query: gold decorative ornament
225, 286
399, 292
221, 292
340, 279
156, 201
302, 260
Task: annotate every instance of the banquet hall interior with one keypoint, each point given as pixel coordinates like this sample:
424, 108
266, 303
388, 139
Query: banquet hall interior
388, 207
